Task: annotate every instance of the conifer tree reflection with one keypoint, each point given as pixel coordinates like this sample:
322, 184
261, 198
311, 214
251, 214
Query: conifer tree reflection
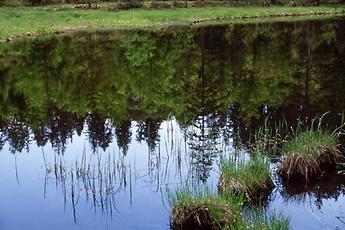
123, 135
18, 135
61, 127
148, 131
2, 137
40, 135
100, 131
203, 136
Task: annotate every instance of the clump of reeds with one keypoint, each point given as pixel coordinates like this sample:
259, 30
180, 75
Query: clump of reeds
203, 210
250, 177
308, 154
269, 137
310, 151
207, 210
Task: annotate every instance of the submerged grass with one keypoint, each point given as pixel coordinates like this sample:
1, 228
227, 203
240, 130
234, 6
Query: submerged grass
249, 177
29, 21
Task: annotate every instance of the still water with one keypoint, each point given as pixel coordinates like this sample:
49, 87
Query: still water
97, 129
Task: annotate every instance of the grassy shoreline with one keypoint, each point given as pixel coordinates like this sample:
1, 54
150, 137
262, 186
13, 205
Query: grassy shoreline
28, 21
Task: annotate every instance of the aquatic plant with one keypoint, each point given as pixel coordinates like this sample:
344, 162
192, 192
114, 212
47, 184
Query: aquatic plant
308, 153
269, 137
204, 209
260, 219
251, 177
310, 150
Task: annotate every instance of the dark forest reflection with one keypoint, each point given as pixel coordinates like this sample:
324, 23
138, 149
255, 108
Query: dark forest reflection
220, 80
329, 186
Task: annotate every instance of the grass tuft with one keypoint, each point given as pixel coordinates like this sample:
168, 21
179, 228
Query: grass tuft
308, 153
256, 219
249, 177
204, 209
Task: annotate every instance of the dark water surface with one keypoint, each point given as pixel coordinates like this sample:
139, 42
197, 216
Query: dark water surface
97, 128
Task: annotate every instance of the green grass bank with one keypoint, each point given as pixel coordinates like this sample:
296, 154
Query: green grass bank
36, 20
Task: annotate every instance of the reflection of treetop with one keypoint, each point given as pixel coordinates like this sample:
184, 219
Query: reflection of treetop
50, 86
205, 145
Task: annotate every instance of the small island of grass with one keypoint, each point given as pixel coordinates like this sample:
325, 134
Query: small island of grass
251, 178
204, 209
308, 154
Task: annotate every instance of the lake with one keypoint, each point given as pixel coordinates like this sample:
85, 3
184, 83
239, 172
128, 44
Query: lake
98, 128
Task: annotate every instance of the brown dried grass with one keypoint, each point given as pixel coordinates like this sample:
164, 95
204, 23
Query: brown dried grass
306, 166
